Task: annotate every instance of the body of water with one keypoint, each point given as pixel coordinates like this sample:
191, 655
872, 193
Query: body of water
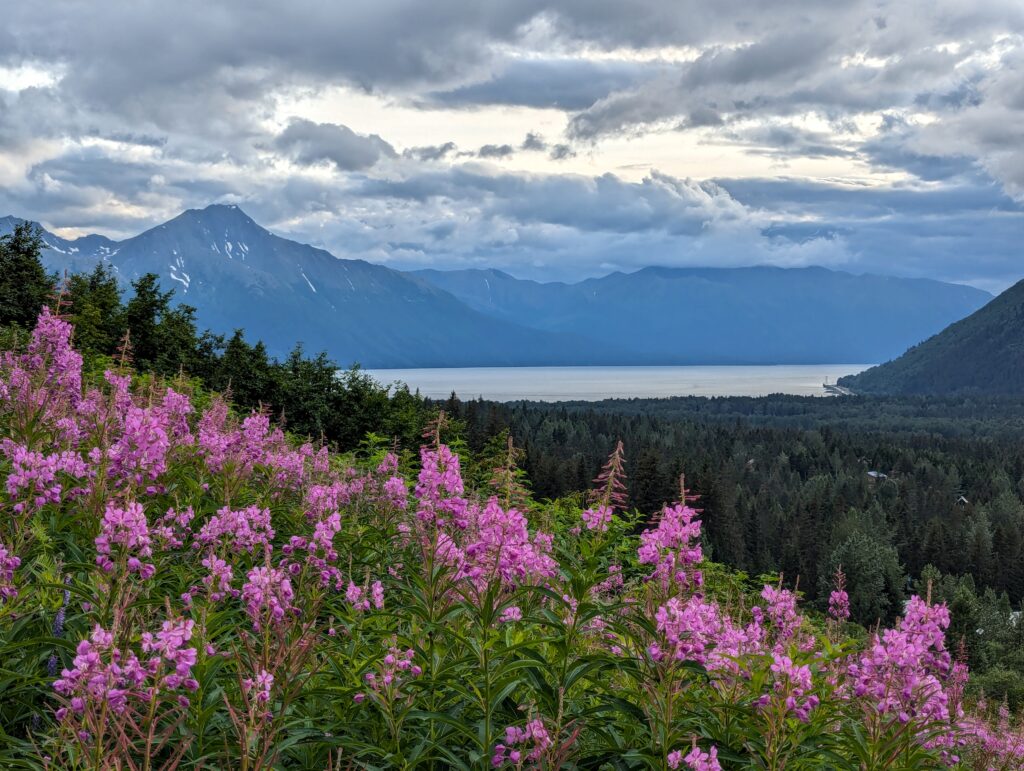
552, 384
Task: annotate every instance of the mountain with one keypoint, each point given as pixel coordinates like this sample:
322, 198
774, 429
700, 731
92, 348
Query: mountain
983, 353
61, 254
239, 275
756, 315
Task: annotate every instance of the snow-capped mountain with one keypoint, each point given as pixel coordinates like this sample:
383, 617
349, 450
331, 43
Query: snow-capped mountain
239, 275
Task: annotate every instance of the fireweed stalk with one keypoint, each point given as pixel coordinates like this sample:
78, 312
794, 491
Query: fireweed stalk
238, 599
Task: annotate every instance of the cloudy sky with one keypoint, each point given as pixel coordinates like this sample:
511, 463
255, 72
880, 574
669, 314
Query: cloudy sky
554, 140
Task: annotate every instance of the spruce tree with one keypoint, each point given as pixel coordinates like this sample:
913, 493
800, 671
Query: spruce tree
25, 286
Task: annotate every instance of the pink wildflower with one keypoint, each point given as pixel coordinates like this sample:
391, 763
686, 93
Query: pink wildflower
34, 481
673, 546
439, 489
8, 564
533, 735
267, 596
125, 528
597, 517
260, 686
698, 760
839, 600
510, 614
246, 529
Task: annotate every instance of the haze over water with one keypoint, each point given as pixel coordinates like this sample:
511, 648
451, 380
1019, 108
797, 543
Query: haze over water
552, 384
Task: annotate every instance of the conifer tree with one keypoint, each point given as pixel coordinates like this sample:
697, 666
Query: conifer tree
25, 285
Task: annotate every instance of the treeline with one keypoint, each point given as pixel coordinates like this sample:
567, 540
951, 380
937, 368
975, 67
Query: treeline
144, 327
796, 500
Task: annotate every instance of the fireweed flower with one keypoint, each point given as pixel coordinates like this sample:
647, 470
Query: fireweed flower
510, 614
782, 612
104, 674
613, 583
839, 600
215, 439
218, 579
321, 501
900, 675
528, 742
260, 686
125, 534
221, 442
499, 546
793, 683
246, 529
288, 466
696, 760
268, 596
362, 600
173, 413
8, 564
839, 605
439, 489
395, 493
33, 481
597, 517
354, 597
173, 530
169, 647
672, 547
396, 666
688, 629
140, 454
319, 549
46, 380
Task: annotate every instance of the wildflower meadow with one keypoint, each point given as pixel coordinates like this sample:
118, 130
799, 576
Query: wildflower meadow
186, 586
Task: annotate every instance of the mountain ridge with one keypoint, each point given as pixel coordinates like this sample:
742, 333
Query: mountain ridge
241, 275
982, 353
770, 314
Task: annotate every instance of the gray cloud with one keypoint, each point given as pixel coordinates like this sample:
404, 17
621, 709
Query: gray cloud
495, 151
171, 110
564, 84
310, 143
784, 141
534, 142
561, 152
431, 152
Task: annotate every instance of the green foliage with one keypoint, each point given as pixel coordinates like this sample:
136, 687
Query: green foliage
24, 283
874, 576
96, 310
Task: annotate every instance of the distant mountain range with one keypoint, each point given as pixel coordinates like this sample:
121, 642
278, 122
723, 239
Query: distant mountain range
239, 275
981, 354
758, 315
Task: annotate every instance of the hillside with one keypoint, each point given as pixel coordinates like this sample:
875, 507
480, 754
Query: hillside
755, 315
983, 353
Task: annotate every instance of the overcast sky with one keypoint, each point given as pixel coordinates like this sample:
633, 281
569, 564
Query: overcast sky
552, 140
